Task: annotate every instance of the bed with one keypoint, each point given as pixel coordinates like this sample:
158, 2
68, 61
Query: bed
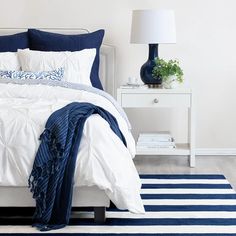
14, 195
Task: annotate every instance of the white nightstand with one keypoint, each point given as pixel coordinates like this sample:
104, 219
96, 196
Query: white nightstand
156, 98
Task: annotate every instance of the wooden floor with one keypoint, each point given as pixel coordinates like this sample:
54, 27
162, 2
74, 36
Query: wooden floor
225, 165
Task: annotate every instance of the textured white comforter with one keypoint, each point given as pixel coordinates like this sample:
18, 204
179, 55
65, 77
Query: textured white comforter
103, 160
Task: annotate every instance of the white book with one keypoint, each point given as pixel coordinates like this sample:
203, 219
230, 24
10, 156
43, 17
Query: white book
156, 134
139, 143
155, 139
155, 147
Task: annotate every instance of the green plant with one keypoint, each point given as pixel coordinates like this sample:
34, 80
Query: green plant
164, 69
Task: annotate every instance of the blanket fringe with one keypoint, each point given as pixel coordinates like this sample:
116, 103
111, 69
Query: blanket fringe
43, 170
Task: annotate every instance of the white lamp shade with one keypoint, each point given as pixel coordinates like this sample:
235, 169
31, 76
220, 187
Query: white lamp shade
153, 27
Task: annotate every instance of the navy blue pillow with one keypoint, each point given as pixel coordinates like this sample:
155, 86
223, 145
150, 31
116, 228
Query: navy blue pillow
47, 41
10, 43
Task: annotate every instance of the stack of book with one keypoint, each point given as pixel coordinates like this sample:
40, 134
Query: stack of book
147, 141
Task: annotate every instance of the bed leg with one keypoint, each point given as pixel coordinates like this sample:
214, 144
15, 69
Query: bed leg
99, 214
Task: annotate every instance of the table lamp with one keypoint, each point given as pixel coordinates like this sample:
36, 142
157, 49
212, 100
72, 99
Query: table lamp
152, 27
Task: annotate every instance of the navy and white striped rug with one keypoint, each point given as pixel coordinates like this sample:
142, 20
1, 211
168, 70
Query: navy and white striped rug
175, 205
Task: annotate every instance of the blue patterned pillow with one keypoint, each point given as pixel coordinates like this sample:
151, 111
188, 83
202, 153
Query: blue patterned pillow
39, 75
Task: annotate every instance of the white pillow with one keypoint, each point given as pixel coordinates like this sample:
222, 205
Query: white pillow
77, 65
9, 61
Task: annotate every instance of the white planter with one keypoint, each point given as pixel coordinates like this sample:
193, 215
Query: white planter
170, 82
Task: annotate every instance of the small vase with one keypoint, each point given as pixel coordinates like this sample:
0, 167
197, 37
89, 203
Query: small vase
170, 82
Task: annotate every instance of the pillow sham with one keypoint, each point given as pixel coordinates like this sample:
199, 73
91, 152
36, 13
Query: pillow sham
77, 65
11, 43
46, 41
55, 75
9, 61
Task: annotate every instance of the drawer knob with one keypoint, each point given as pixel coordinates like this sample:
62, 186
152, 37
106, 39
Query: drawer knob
156, 100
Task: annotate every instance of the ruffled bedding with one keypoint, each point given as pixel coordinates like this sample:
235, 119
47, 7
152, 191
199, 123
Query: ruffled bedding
102, 160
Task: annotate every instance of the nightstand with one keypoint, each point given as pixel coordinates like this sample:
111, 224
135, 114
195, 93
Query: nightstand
157, 98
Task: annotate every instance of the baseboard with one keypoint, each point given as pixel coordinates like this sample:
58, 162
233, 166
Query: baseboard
216, 151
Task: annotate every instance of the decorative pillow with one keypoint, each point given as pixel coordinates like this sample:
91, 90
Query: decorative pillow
9, 61
39, 75
46, 41
77, 65
11, 43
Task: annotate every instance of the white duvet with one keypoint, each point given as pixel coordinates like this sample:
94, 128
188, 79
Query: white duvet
102, 160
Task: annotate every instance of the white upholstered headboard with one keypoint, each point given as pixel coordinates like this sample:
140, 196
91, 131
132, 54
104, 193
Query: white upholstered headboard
107, 55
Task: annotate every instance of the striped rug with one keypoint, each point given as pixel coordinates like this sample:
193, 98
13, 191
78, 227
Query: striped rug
193, 205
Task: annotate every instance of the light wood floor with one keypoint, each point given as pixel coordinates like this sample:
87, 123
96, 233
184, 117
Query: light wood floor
225, 165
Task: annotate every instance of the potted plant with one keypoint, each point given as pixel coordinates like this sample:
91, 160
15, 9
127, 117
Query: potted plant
170, 72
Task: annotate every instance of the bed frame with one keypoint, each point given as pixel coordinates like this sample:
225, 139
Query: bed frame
20, 196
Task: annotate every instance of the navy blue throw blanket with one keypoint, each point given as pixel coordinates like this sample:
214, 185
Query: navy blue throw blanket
51, 179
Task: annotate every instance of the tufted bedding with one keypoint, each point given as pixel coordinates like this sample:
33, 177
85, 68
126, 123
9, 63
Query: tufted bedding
102, 160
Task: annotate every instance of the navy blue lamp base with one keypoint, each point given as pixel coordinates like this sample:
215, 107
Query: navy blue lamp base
147, 67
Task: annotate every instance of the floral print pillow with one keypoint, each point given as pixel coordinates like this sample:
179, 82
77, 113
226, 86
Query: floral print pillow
55, 75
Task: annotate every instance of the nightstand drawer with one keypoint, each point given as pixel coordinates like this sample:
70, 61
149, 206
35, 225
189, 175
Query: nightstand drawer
155, 100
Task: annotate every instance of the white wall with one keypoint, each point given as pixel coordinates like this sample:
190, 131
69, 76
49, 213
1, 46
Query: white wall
206, 47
